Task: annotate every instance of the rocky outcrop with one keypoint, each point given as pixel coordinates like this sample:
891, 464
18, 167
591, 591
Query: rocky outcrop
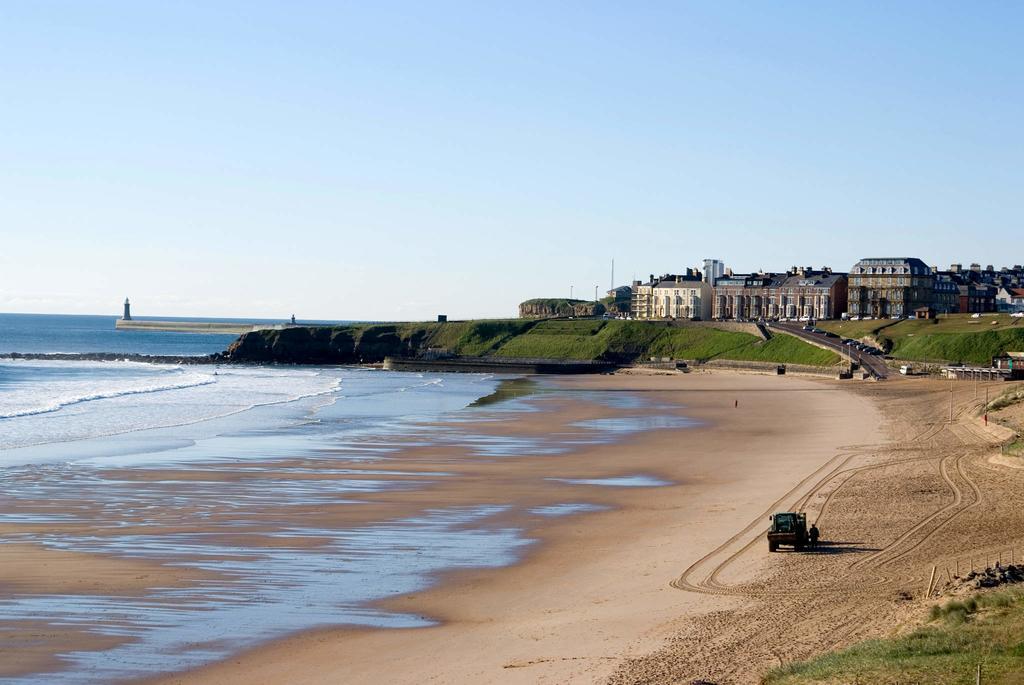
548, 308
331, 344
302, 345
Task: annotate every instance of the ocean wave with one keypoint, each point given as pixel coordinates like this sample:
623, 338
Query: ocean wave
416, 386
60, 403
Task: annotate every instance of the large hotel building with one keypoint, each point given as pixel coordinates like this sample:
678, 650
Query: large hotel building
888, 287
798, 293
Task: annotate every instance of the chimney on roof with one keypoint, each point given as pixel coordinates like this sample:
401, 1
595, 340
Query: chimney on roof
827, 270
652, 278
990, 268
728, 271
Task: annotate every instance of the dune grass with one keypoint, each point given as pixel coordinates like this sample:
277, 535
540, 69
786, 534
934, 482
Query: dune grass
986, 629
1012, 396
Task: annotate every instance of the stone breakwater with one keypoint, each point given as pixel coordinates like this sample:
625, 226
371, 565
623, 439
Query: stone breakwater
213, 327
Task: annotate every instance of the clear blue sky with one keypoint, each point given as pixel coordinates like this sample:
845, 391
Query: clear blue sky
379, 160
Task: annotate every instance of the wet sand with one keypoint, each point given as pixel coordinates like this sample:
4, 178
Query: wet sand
595, 592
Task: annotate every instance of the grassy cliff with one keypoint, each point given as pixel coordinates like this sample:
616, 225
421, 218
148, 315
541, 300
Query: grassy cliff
586, 339
624, 341
952, 338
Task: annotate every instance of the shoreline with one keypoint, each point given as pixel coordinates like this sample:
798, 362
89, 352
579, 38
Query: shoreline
594, 591
214, 358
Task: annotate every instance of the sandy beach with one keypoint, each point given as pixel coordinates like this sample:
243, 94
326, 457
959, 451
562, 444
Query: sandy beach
659, 575
596, 592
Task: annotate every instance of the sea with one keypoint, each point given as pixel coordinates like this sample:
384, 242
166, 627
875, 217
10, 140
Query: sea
250, 480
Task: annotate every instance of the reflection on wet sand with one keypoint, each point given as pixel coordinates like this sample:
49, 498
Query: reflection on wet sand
264, 532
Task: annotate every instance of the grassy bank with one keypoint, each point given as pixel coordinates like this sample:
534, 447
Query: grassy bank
578, 339
627, 340
950, 338
986, 630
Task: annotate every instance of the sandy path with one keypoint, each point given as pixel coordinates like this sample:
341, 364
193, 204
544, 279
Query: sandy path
595, 596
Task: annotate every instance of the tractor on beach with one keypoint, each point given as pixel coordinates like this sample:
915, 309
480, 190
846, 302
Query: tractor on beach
788, 528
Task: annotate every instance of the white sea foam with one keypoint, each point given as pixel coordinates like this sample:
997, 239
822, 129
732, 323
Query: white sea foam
48, 402
67, 400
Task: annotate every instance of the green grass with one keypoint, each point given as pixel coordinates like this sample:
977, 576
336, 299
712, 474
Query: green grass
786, 348
986, 629
949, 338
475, 338
971, 348
470, 338
622, 341
586, 339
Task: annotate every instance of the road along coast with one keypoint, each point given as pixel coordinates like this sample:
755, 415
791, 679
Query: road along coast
607, 595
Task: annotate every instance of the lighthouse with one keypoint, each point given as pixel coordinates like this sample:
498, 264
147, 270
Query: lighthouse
127, 311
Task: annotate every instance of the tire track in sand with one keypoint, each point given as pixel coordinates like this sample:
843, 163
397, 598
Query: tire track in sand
710, 583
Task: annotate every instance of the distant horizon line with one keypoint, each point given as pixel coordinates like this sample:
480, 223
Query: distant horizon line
236, 319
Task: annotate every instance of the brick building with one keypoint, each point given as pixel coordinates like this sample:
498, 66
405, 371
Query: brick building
798, 293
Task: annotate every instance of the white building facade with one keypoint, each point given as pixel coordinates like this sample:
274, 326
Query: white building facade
673, 297
682, 297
